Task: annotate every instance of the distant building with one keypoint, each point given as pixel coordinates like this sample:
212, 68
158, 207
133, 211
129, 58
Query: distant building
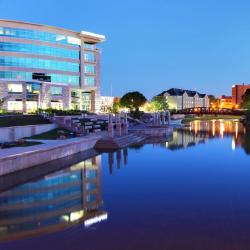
238, 92
225, 102
107, 102
181, 99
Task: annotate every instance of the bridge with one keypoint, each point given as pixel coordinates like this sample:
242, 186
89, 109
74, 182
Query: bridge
209, 111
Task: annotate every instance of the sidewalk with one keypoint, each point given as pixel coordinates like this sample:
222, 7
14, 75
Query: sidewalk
19, 158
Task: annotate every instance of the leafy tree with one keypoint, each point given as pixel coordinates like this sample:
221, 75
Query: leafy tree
133, 101
246, 100
114, 108
159, 103
213, 100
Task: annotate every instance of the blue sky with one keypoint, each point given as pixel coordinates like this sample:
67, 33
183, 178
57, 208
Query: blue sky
155, 45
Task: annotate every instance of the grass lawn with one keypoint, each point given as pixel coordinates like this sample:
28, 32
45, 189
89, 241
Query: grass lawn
51, 135
210, 117
22, 120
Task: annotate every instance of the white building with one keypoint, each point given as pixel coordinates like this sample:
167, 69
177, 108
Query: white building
106, 102
182, 99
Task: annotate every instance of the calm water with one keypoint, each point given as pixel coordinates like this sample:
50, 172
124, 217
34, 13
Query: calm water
190, 192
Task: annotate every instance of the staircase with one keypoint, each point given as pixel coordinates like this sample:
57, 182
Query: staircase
107, 144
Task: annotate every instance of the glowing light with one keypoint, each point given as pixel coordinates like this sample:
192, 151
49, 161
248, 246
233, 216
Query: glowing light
236, 129
222, 128
96, 219
195, 126
233, 144
213, 127
74, 216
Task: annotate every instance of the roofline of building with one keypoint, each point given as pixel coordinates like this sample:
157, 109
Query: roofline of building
93, 37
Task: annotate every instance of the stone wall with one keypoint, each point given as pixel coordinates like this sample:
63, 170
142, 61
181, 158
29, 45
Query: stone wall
45, 154
8, 134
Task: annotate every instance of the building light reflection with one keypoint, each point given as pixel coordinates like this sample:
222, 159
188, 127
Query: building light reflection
233, 144
89, 222
222, 128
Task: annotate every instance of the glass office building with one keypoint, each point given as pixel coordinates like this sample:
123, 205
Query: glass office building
48, 67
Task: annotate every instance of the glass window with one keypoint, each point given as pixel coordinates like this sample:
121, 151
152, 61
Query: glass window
88, 68
56, 91
89, 56
15, 88
89, 81
38, 63
89, 46
86, 96
39, 50
39, 35
27, 76
33, 88
15, 105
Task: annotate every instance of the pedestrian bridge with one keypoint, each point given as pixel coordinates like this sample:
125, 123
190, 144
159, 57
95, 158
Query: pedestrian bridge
210, 111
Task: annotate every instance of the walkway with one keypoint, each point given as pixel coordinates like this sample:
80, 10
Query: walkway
47, 144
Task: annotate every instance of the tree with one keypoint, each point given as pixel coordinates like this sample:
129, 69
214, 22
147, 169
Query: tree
159, 103
133, 101
114, 108
246, 100
214, 102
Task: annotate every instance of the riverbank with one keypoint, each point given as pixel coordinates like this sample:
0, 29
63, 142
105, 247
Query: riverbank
19, 158
210, 117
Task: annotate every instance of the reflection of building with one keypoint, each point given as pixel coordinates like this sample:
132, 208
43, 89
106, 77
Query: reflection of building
48, 67
184, 139
238, 92
53, 203
182, 99
201, 131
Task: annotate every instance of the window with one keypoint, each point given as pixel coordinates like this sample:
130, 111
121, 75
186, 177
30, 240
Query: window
27, 76
15, 88
89, 46
89, 81
39, 50
89, 69
89, 56
39, 63
56, 91
15, 105
39, 35
33, 88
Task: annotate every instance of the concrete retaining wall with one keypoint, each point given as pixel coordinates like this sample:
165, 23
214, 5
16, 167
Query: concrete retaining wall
8, 134
44, 154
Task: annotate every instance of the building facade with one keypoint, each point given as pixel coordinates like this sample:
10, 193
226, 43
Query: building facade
107, 102
238, 92
182, 99
48, 67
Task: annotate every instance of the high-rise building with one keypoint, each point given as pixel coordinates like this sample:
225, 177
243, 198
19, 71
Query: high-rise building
48, 67
238, 92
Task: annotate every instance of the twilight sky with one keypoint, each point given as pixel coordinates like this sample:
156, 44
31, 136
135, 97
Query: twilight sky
155, 45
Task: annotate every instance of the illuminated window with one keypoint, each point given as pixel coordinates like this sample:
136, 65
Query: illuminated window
57, 105
15, 88
15, 105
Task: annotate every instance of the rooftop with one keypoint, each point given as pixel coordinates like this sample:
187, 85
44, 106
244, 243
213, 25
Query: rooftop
88, 36
180, 92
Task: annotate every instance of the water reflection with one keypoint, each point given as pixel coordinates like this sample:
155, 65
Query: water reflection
53, 203
201, 131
